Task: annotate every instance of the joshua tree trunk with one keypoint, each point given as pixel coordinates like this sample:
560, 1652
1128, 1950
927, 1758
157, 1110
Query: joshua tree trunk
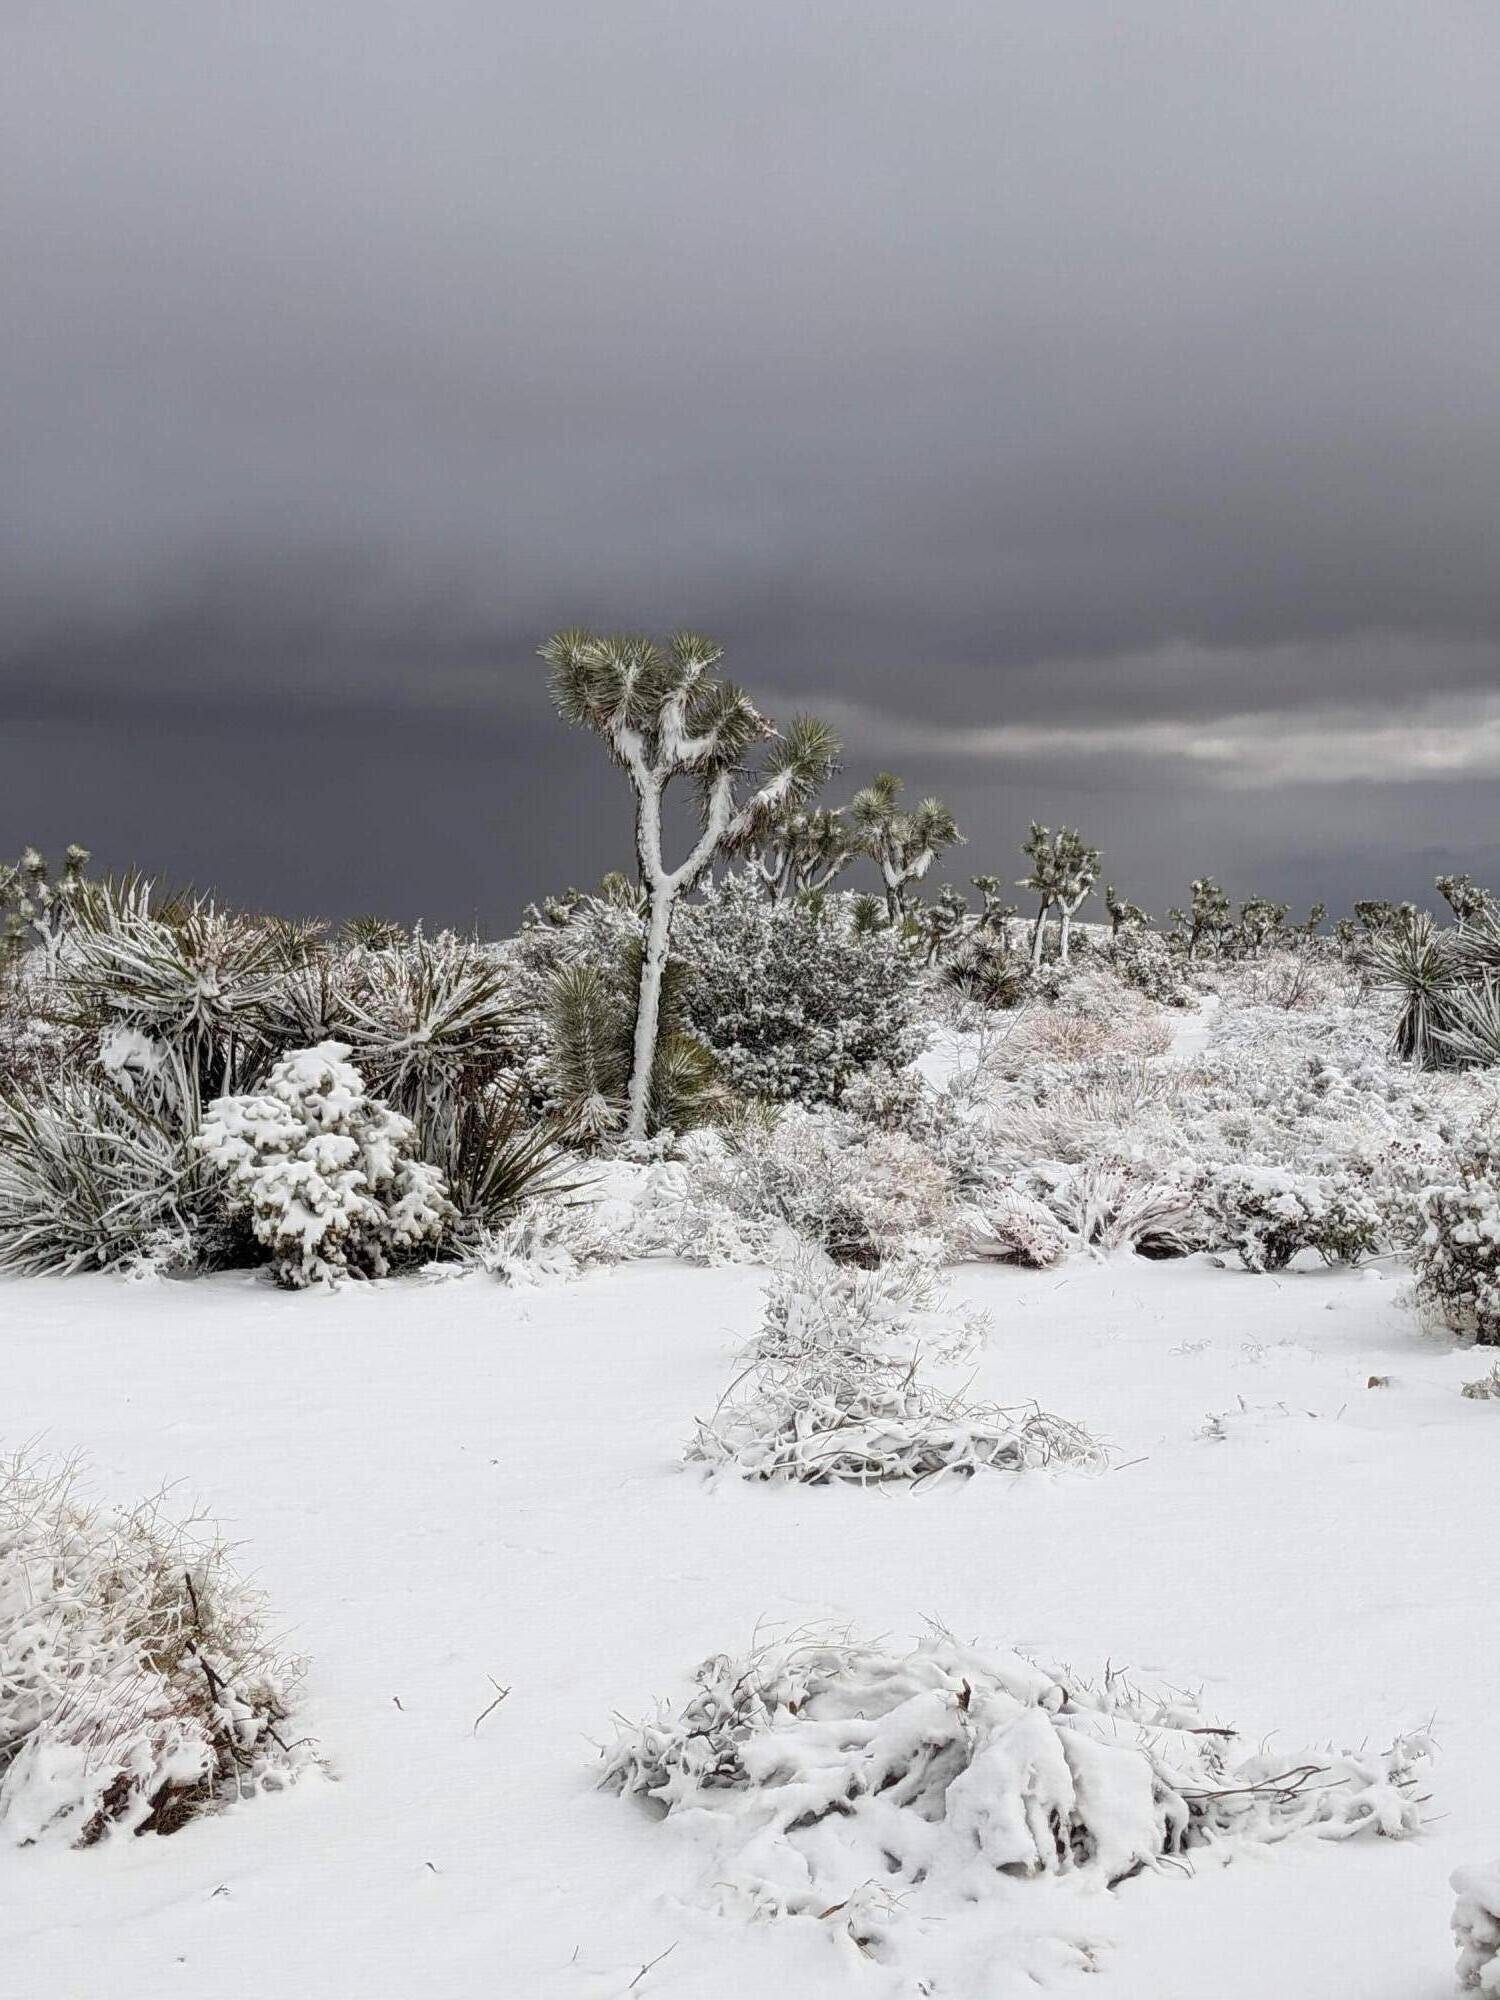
1037, 931
1065, 922
648, 1007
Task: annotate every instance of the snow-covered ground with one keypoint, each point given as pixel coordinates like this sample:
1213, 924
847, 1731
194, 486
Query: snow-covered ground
437, 1484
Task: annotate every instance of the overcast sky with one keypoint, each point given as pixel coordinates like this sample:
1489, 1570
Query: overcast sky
1094, 410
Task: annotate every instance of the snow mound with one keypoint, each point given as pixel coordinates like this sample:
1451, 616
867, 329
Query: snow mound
1476, 1926
136, 1687
901, 1793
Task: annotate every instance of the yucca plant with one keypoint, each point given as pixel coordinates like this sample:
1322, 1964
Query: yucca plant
185, 973
428, 1025
1471, 1038
494, 1158
88, 1177
1409, 957
591, 1021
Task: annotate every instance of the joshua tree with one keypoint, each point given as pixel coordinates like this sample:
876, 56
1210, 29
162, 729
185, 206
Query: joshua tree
902, 844
800, 848
663, 713
33, 904
996, 914
1463, 896
1121, 911
1261, 924
1064, 870
1206, 918
943, 921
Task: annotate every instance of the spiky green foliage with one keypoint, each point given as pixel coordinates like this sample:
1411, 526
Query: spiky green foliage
1470, 1034
494, 1157
1410, 958
986, 970
89, 1178
188, 974
591, 1024
1463, 896
427, 1025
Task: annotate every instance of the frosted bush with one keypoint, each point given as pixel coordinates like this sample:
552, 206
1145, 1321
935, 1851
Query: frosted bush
1013, 1227
137, 1687
813, 1769
862, 1194
324, 1173
836, 1390
1267, 1215
1458, 1258
1476, 1927
873, 1425
1143, 960
1106, 1205
1485, 1388
792, 999
553, 1242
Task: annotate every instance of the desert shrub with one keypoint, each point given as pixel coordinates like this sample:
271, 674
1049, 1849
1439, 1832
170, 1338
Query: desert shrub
836, 1390
860, 1193
1484, 1388
903, 1794
1458, 1258
493, 1158
793, 1001
1476, 1928
1011, 1226
1268, 1214
138, 1687
1099, 1205
325, 1174
550, 1241
1143, 960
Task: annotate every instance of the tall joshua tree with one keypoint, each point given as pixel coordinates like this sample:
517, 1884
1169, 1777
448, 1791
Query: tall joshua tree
1207, 917
1064, 869
902, 844
662, 712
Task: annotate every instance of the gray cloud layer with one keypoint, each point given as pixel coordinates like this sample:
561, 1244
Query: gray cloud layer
1098, 410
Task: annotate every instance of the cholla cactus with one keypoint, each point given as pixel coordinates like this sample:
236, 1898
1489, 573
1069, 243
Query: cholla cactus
662, 713
1064, 870
324, 1172
39, 908
903, 845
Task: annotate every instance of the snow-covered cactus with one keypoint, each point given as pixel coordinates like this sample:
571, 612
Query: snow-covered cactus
324, 1172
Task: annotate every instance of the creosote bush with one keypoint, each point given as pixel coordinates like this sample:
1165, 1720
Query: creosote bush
1458, 1257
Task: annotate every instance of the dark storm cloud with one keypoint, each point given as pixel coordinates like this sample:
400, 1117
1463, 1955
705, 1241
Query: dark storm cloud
1096, 410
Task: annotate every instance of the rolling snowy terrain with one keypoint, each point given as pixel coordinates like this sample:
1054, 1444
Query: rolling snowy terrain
442, 1483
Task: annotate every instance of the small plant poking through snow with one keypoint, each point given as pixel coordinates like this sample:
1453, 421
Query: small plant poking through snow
813, 1770
1476, 1927
325, 1172
137, 1688
835, 1390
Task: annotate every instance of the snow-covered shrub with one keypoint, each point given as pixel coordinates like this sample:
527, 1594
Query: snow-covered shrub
871, 1426
1013, 1227
861, 1193
815, 1768
324, 1173
1107, 1204
1267, 1214
1476, 1927
137, 1687
1143, 959
1485, 1388
1458, 1258
836, 1389
792, 1000
554, 1241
